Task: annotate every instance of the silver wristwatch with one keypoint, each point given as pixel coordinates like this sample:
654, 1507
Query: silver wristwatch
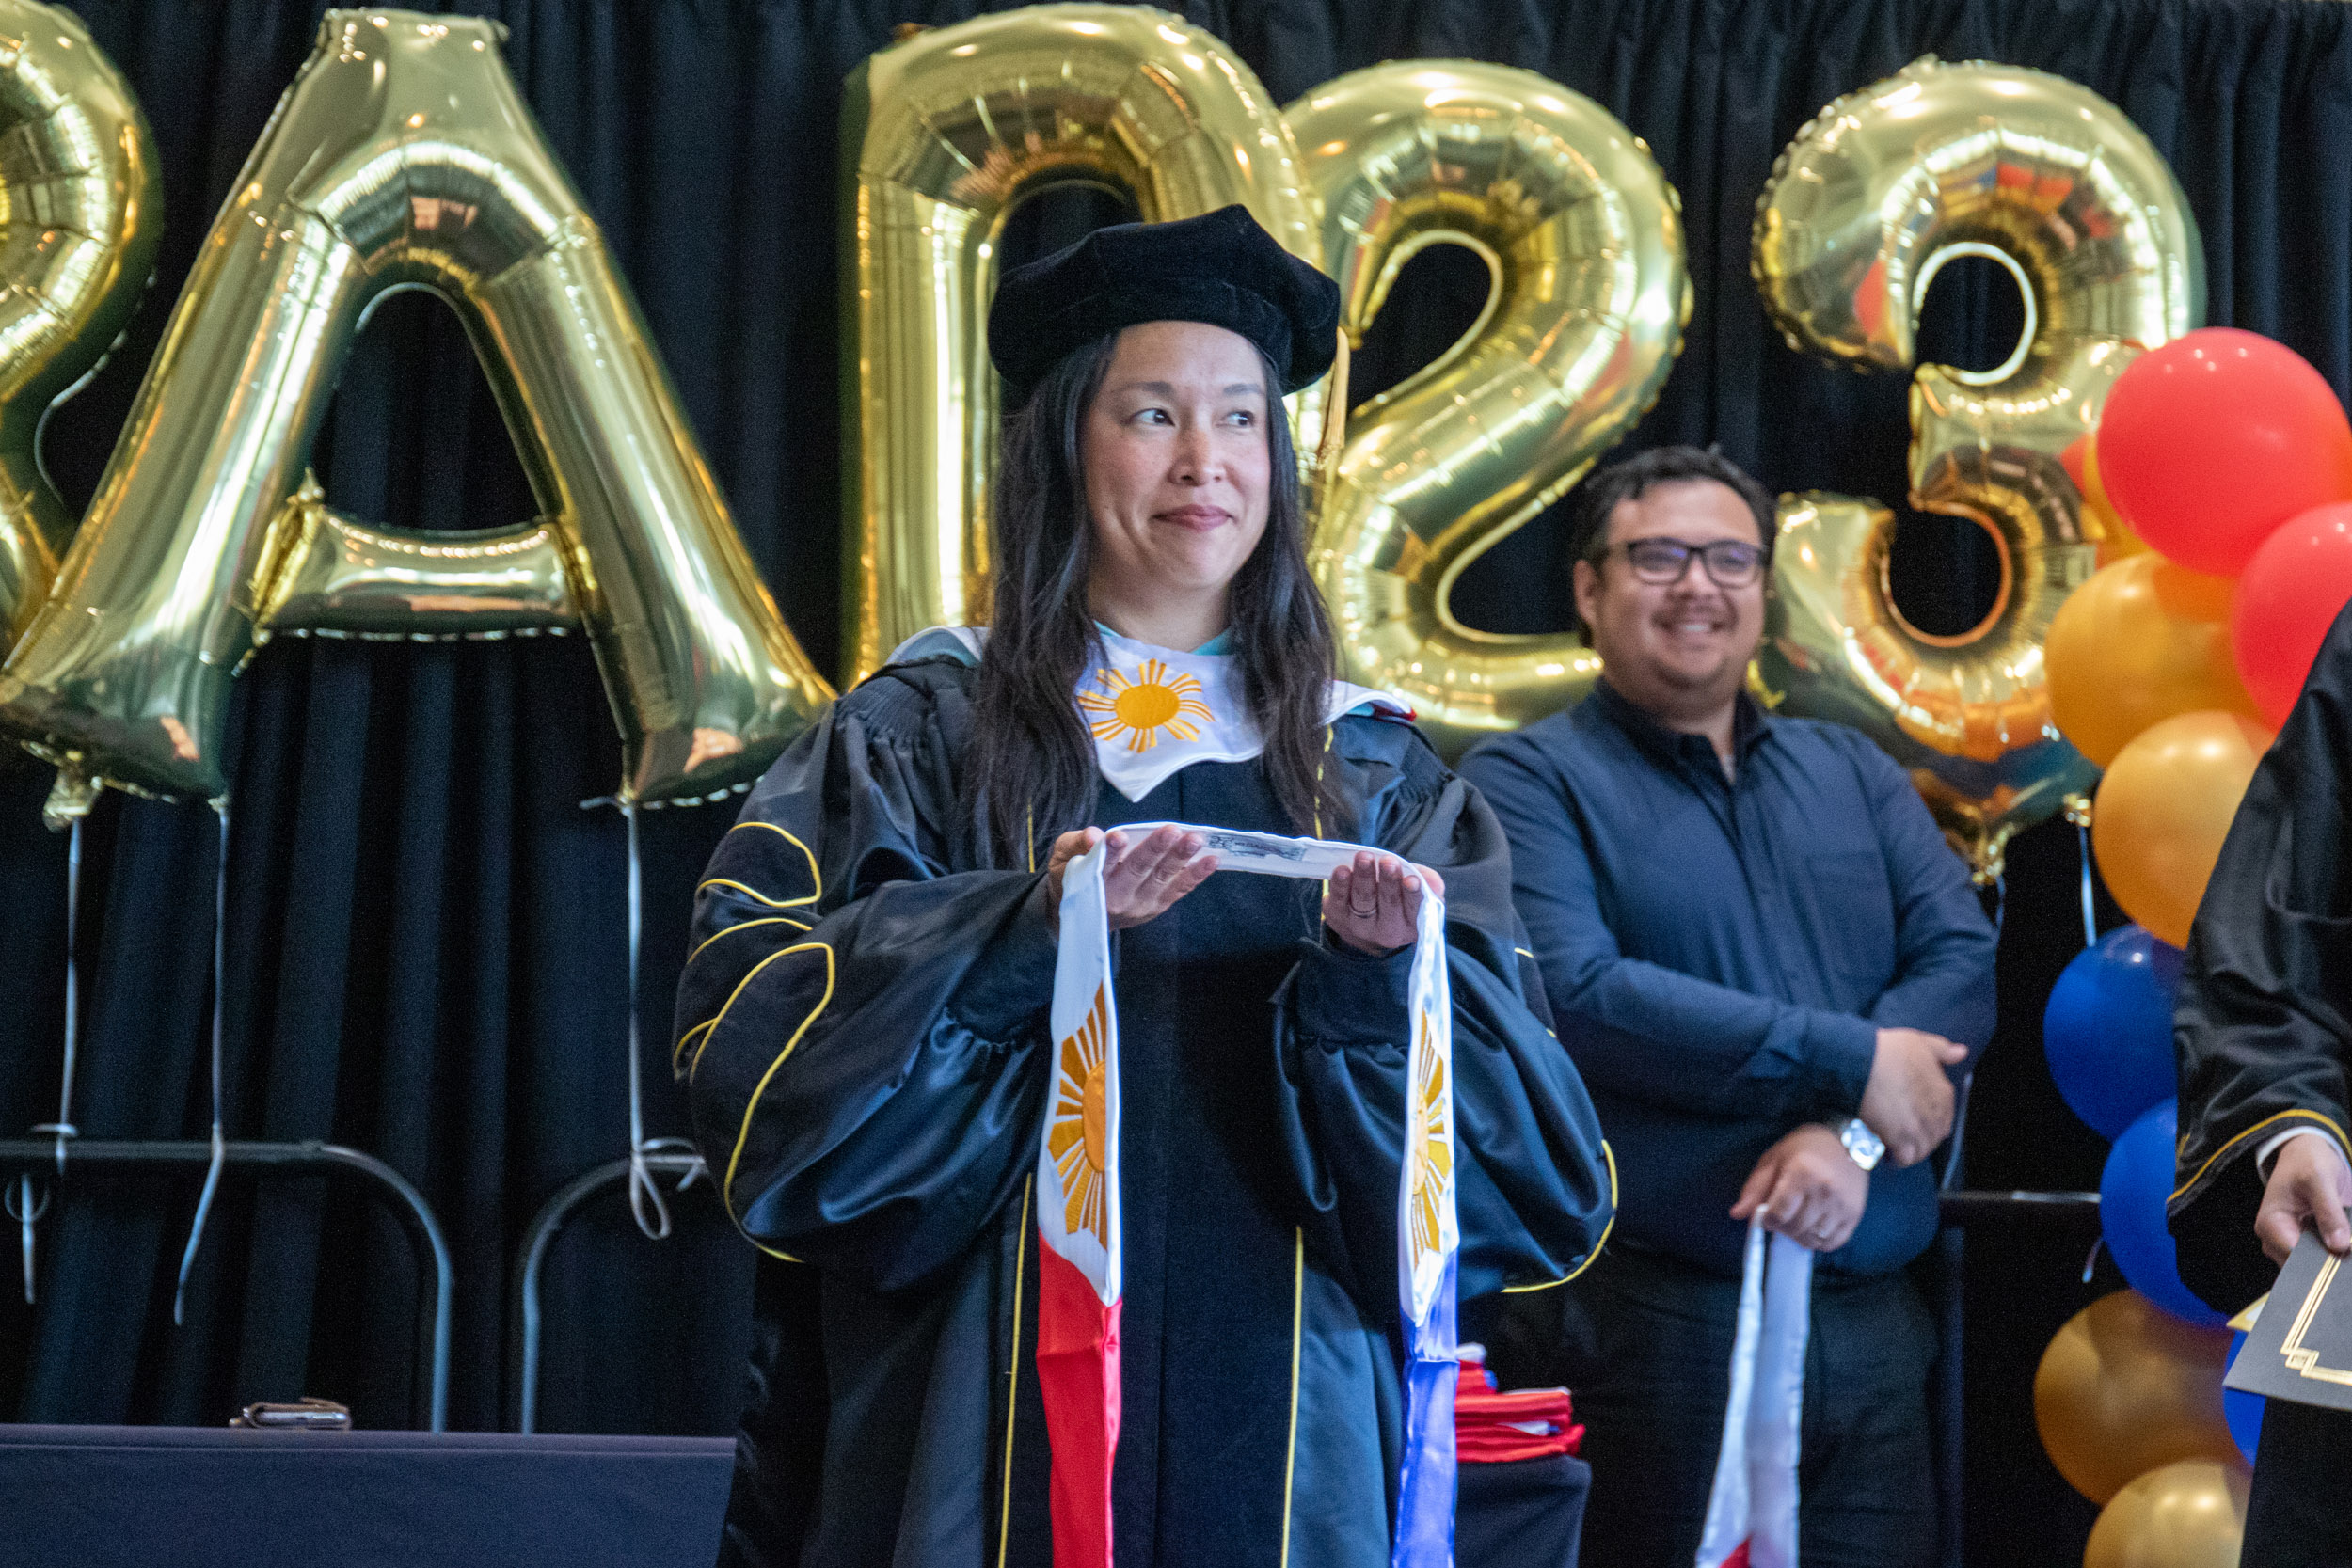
1862, 1146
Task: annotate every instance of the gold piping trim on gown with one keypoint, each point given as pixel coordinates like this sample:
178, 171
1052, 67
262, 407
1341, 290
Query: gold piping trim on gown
727, 1188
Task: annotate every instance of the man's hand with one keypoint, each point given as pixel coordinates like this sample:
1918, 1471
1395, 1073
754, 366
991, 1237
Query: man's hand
1140, 878
1374, 905
1908, 1101
2310, 1184
1807, 1188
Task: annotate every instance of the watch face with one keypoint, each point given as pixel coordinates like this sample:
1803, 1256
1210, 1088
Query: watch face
1862, 1143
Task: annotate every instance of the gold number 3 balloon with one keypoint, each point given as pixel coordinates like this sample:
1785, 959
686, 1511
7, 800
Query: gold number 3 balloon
1883, 188
1582, 237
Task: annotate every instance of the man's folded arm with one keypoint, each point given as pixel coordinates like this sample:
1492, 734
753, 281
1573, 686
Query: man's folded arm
1643, 1030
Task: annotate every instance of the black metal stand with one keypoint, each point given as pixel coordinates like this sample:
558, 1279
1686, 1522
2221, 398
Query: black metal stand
112, 1156
522, 1344
1957, 1211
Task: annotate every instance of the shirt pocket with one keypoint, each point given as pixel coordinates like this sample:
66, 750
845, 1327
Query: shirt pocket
1847, 908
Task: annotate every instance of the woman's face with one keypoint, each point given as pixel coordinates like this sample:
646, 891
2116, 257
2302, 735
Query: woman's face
1177, 462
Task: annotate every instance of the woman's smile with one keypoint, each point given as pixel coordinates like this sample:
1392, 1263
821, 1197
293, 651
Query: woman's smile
1195, 517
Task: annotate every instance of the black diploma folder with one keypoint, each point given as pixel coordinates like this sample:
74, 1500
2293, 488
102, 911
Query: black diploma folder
2300, 1348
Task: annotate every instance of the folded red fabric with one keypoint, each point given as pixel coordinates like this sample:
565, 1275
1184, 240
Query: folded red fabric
1491, 1427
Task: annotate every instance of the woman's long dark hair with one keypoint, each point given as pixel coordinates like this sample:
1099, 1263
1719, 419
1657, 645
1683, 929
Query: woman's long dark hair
1029, 771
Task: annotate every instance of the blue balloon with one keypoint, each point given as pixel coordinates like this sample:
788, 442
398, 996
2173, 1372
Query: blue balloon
2108, 1028
2243, 1411
2132, 1193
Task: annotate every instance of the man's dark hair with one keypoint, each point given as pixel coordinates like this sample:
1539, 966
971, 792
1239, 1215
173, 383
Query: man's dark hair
1636, 477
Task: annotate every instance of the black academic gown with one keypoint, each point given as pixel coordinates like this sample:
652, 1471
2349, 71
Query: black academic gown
2262, 1031
864, 1022
2263, 1039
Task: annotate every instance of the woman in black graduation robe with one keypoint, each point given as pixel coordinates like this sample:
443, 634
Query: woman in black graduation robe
864, 1022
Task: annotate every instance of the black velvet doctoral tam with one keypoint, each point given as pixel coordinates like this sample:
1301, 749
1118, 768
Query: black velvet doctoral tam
1220, 268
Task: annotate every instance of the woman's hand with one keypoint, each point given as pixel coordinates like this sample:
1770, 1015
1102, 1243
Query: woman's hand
1141, 879
1373, 905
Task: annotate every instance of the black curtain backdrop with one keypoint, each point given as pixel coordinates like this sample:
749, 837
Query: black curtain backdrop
426, 938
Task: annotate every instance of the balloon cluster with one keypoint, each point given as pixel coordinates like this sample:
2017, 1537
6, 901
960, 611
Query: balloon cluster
2107, 1032
2128, 1400
2218, 487
2132, 1386
2220, 455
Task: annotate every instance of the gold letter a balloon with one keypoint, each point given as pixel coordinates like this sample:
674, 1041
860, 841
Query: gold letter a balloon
402, 157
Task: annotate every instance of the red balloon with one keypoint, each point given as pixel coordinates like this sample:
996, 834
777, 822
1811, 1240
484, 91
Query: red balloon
2288, 596
2210, 441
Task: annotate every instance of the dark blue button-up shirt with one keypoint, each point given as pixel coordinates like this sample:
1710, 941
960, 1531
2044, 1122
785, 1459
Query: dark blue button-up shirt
1720, 953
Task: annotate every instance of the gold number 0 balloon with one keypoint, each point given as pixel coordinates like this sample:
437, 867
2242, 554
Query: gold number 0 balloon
1871, 198
1584, 238
951, 129
402, 157
81, 209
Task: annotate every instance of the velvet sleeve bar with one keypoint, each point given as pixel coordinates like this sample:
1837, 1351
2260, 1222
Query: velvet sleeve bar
863, 1035
1534, 1193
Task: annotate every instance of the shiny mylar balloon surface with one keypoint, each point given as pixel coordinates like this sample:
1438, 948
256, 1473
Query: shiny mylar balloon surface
1868, 203
81, 208
1582, 237
402, 157
949, 130
2190, 1514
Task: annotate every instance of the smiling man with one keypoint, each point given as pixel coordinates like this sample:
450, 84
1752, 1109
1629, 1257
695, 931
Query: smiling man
1770, 972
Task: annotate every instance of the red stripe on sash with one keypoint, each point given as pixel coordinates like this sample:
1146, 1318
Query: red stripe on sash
1078, 1373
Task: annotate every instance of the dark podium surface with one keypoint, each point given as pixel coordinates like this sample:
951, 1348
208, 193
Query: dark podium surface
82, 1497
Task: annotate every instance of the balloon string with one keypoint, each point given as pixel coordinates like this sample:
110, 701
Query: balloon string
22, 1203
2092, 1257
2091, 923
643, 1192
2000, 905
27, 1208
221, 1145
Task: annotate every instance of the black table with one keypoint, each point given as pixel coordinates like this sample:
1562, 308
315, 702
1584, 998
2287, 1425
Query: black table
84, 1497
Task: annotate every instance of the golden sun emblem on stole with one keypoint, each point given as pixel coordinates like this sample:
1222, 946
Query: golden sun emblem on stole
1429, 1150
1079, 1141
1138, 709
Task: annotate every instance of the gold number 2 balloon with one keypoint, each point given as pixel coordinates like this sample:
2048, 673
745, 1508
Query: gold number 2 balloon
403, 158
1582, 237
950, 130
81, 209
1877, 194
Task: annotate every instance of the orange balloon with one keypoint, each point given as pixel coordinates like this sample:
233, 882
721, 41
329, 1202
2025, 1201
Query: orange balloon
2125, 1387
2163, 810
2102, 524
2142, 641
2190, 1514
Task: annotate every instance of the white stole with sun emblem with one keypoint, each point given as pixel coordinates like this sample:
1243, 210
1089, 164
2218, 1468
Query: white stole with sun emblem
1154, 711
1078, 1212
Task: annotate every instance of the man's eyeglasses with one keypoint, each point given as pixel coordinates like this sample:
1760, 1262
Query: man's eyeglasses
1730, 562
